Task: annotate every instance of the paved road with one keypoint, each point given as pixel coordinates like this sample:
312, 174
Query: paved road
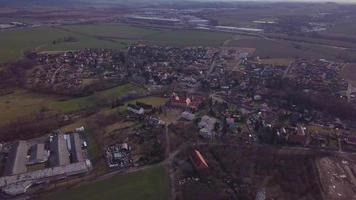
287, 70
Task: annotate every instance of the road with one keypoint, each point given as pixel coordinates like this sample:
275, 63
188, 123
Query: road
287, 70
349, 91
212, 65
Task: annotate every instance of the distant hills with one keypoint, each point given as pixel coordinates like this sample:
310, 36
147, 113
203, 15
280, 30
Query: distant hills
132, 3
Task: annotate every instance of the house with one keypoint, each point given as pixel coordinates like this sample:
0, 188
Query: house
146, 107
190, 101
350, 140
187, 116
135, 109
231, 123
207, 126
198, 161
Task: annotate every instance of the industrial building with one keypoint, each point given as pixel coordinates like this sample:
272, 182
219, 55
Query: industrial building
17, 159
55, 157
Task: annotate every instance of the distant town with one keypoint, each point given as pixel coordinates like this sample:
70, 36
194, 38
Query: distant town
177, 100
206, 96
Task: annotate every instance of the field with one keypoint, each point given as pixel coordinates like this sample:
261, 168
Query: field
89, 101
154, 101
276, 61
15, 43
188, 38
114, 31
349, 73
113, 36
268, 48
22, 103
119, 36
150, 184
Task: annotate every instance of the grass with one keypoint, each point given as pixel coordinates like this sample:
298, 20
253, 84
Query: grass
118, 126
14, 43
112, 36
188, 38
277, 61
24, 104
154, 101
270, 48
266, 48
150, 184
118, 31
91, 100
349, 73
74, 125
21, 104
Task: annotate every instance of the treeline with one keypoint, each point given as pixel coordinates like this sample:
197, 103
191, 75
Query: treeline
14, 74
27, 128
286, 89
65, 39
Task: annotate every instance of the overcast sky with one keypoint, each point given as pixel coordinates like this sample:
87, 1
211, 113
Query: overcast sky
337, 1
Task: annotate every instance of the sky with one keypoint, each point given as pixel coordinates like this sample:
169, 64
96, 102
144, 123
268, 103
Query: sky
337, 1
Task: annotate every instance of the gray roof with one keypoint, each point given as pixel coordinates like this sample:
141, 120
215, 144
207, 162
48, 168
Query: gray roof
38, 154
17, 159
76, 150
60, 154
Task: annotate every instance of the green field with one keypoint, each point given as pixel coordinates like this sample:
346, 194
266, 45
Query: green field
188, 38
114, 31
23, 103
89, 101
15, 43
111, 36
154, 101
268, 48
150, 184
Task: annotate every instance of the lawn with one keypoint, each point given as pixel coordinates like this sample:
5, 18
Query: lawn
150, 184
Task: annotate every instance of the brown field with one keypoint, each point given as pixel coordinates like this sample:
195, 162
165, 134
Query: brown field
349, 73
277, 61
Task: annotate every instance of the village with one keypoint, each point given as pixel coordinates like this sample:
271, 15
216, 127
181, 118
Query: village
209, 97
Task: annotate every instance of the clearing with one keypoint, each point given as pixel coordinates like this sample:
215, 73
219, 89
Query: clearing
149, 184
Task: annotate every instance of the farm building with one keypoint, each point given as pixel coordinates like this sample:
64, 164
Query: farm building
17, 159
192, 102
38, 154
60, 151
198, 161
64, 154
